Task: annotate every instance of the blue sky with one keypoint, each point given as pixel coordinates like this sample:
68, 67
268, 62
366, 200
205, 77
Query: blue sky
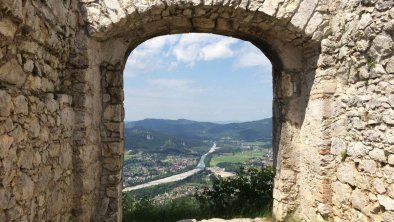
202, 77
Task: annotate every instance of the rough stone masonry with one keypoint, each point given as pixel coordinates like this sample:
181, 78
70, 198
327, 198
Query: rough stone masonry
61, 101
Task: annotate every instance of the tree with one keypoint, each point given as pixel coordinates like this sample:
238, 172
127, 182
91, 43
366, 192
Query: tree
248, 193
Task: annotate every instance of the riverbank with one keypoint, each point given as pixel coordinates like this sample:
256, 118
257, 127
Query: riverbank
170, 179
200, 166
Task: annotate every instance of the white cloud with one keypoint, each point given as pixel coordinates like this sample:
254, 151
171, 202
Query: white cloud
155, 43
250, 59
167, 52
187, 53
196, 47
218, 50
149, 56
250, 56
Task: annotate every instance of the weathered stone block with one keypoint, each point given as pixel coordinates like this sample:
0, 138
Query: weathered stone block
313, 23
378, 154
303, 13
115, 148
7, 28
324, 209
25, 186
390, 65
21, 105
5, 144
388, 172
15, 7
391, 159
388, 216
386, 201
114, 79
179, 23
357, 149
341, 193
65, 159
112, 192
270, 7
34, 128
379, 185
4, 198
113, 113
225, 24
52, 105
390, 136
338, 146
365, 20
5, 103
14, 213
26, 158
203, 23
28, 66
287, 9
369, 166
381, 46
346, 173
363, 181
388, 116
359, 199
12, 73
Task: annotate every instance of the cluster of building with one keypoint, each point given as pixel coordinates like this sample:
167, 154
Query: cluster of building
265, 160
147, 167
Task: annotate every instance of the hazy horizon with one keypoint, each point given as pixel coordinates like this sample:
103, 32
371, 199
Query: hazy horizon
217, 121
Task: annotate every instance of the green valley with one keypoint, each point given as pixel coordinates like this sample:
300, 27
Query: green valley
157, 149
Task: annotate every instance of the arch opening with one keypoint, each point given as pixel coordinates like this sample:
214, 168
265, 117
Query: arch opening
292, 50
207, 66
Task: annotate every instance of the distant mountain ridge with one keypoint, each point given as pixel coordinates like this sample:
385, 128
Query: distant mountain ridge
189, 130
154, 141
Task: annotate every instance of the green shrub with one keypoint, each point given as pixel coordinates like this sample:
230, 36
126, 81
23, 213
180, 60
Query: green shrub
143, 210
248, 194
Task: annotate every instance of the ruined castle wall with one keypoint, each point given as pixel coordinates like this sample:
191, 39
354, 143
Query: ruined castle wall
61, 101
360, 57
38, 48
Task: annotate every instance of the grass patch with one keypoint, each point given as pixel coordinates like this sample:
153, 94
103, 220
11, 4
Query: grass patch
371, 62
259, 143
239, 157
343, 155
128, 155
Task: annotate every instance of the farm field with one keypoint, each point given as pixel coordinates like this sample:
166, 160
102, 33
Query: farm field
128, 155
238, 157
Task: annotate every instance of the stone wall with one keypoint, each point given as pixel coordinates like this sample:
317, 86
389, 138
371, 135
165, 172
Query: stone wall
360, 58
61, 101
36, 113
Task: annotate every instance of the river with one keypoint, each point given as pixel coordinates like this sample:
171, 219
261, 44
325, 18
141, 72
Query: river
200, 166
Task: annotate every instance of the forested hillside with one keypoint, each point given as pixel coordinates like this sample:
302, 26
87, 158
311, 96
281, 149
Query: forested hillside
190, 131
148, 140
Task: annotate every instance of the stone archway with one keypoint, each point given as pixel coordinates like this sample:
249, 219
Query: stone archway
61, 112
287, 33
